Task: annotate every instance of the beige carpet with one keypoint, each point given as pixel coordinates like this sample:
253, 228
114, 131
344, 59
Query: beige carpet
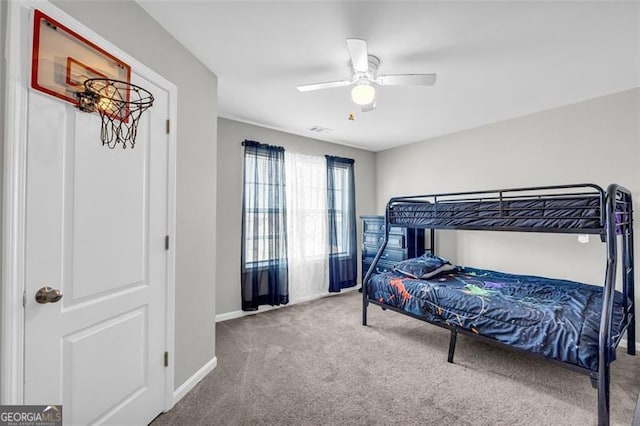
314, 364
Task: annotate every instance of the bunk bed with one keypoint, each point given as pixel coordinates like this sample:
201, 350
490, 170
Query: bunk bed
576, 325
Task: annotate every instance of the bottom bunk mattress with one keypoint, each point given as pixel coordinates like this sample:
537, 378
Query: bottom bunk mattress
558, 319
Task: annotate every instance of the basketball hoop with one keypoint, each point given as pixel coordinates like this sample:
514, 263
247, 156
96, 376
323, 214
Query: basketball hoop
120, 105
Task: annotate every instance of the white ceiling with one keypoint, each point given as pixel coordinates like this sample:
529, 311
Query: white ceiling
494, 60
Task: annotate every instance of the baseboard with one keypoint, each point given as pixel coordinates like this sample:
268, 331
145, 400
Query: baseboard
239, 314
189, 384
623, 343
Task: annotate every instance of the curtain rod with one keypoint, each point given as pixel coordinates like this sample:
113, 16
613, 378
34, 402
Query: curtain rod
248, 142
340, 159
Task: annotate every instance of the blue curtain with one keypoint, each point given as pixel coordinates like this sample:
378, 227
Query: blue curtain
264, 278
341, 203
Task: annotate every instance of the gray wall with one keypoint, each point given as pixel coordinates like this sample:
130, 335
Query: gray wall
128, 26
594, 141
230, 135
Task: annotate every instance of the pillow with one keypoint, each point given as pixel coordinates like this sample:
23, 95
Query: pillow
423, 267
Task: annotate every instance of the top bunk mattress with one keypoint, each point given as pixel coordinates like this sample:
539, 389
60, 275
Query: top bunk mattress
581, 214
555, 318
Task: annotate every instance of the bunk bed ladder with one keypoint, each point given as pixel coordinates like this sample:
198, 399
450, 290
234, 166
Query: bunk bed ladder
606, 345
374, 264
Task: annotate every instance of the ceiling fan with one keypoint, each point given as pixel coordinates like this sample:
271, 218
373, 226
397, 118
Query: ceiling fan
365, 74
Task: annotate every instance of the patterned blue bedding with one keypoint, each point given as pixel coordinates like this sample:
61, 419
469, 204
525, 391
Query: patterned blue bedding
556, 318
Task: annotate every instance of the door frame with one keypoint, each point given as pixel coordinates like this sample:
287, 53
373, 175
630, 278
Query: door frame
17, 86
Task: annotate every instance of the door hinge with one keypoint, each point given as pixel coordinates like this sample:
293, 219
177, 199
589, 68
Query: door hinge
166, 242
24, 299
166, 359
168, 126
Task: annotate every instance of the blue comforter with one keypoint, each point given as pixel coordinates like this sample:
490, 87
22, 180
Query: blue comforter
556, 318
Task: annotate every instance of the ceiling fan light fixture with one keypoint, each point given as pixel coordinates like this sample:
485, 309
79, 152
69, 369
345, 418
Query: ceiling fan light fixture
363, 94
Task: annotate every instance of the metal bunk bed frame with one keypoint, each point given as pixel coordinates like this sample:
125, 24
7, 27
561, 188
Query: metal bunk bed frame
615, 217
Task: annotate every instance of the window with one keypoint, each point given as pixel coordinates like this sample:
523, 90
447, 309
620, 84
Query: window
341, 208
264, 212
341, 203
306, 205
316, 208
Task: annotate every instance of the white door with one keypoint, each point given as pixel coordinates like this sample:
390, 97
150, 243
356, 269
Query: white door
95, 229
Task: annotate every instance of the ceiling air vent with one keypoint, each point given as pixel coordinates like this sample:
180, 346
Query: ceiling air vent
318, 129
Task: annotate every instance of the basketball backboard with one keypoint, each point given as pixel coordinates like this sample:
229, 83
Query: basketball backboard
63, 60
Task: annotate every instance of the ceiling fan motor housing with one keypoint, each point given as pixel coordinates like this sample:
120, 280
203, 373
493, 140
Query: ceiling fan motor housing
371, 73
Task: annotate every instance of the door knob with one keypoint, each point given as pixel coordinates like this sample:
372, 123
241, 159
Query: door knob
48, 295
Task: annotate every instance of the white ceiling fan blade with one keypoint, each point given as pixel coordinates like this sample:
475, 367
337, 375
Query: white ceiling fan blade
358, 52
406, 80
326, 85
369, 107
